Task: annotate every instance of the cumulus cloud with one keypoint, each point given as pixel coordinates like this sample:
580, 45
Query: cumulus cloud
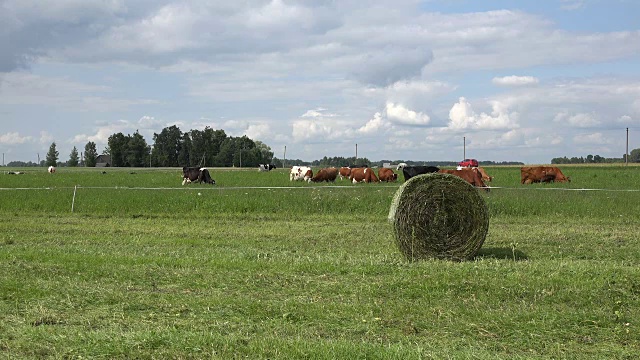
592, 139
401, 115
308, 129
515, 80
462, 116
45, 137
385, 66
374, 124
258, 131
102, 133
318, 113
149, 122
581, 120
13, 138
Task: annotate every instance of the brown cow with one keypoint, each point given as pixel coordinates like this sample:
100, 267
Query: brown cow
387, 175
483, 173
544, 174
362, 175
344, 172
326, 174
470, 175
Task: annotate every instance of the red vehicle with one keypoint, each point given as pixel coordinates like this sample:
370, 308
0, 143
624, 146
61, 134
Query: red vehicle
468, 163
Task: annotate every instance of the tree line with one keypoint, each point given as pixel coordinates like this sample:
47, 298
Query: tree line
171, 148
634, 157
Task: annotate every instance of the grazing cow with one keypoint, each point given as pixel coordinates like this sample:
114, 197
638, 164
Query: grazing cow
300, 173
344, 172
51, 169
365, 175
411, 171
544, 174
483, 173
191, 174
470, 175
266, 167
326, 174
387, 175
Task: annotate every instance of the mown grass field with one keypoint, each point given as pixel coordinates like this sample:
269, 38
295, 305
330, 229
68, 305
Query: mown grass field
146, 268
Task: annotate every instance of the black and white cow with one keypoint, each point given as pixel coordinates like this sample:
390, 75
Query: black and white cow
266, 167
191, 174
411, 171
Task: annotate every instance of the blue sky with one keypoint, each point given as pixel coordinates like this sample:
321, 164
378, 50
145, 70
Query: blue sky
404, 79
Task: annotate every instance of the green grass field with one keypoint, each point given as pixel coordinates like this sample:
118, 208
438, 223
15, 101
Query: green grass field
258, 267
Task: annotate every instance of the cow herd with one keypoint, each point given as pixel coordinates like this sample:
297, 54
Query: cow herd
475, 176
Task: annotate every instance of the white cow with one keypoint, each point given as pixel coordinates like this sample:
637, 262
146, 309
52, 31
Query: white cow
51, 169
300, 173
401, 166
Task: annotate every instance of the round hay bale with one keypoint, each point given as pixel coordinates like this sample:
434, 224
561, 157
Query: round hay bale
439, 216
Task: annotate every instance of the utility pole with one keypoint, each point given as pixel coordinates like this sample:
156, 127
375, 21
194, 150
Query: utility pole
626, 156
464, 147
356, 154
284, 157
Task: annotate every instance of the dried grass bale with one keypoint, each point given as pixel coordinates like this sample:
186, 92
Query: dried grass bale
439, 216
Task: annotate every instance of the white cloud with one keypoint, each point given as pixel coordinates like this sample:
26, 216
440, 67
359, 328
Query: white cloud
592, 139
277, 14
149, 122
581, 120
374, 124
571, 5
45, 138
401, 115
103, 132
14, 138
309, 129
462, 116
515, 80
318, 113
625, 119
258, 131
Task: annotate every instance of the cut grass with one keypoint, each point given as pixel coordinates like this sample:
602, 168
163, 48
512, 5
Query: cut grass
311, 273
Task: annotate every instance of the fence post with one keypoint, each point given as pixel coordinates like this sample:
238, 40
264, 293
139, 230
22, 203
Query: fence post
73, 202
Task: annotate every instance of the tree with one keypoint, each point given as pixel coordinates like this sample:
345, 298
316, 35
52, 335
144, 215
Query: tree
184, 153
52, 156
634, 155
90, 154
226, 153
166, 147
73, 158
265, 151
206, 146
137, 151
118, 149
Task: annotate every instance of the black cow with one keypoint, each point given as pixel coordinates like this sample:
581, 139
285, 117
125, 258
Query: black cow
191, 174
266, 167
411, 171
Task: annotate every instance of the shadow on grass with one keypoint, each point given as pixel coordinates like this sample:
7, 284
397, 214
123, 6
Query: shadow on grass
501, 253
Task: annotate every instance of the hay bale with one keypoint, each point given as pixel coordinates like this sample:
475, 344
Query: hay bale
439, 216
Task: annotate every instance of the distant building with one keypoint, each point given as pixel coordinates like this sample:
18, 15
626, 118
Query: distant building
103, 161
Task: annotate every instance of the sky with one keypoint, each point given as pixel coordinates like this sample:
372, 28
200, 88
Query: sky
403, 79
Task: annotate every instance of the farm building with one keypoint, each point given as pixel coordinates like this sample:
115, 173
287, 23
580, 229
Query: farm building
103, 161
